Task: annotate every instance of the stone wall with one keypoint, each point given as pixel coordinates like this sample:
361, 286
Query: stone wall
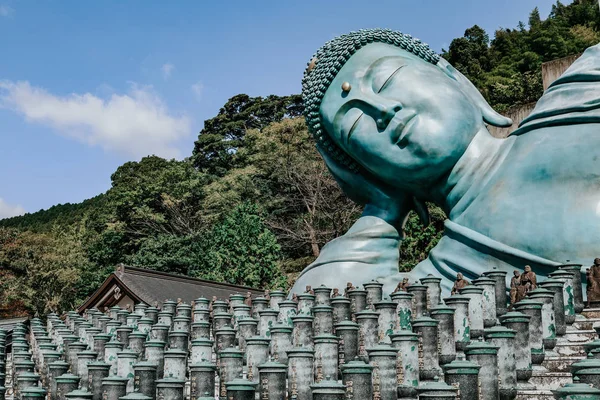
517, 114
552, 70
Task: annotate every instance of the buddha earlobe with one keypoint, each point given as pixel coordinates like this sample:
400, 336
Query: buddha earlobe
487, 112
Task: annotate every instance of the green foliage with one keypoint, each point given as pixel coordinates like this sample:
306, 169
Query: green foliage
242, 250
169, 253
222, 136
286, 175
419, 240
156, 195
64, 214
507, 69
44, 268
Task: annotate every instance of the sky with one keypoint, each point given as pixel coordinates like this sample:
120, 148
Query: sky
86, 86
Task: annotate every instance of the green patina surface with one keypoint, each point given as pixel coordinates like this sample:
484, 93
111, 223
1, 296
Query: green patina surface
405, 316
552, 330
467, 331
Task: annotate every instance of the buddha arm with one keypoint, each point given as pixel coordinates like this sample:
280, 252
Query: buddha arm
371, 241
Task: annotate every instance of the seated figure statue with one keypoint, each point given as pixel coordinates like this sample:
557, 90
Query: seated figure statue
593, 283
398, 126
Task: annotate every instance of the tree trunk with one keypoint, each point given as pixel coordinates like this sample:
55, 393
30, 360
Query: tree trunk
313, 242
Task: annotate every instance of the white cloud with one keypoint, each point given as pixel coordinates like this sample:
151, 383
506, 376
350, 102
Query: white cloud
6, 11
136, 124
8, 210
167, 69
198, 89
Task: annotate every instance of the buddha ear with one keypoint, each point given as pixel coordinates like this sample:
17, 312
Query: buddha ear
489, 115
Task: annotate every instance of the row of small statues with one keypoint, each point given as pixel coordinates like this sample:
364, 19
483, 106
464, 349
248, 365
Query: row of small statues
520, 284
523, 283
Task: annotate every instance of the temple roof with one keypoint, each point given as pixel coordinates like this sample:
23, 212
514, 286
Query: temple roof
150, 287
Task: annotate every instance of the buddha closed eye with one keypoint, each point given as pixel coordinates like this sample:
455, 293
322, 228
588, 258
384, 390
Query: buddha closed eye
378, 88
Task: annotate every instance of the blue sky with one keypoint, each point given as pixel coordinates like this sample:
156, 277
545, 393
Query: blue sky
86, 86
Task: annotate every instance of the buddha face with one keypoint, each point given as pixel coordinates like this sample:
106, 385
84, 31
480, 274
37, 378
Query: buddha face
403, 119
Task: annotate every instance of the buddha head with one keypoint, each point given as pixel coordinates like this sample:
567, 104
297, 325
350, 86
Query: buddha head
383, 105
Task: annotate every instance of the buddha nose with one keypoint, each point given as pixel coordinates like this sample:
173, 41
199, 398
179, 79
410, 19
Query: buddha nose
385, 114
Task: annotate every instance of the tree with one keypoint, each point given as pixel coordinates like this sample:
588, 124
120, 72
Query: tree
156, 195
243, 251
419, 239
534, 18
169, 253
214, 151
308, 208
470, 54
286, 175
43, 269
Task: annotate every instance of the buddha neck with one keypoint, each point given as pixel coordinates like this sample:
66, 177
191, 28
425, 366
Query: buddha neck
474, 169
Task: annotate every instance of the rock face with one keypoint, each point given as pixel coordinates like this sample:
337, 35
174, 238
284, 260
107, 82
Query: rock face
367, 346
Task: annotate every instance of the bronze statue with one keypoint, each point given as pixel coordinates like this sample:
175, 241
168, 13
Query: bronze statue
309, 290
527, 283
248, 299
267, 294
335, 293
402, 286
514, 287
398, 126
459, 283
349, 287
593, 282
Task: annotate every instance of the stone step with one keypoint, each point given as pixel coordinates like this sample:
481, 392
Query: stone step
560, 363
585, 323
580, 335
566, 348
591, 312
550, 380
534, 395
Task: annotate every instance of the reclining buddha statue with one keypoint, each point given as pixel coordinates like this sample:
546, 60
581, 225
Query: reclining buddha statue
398, 126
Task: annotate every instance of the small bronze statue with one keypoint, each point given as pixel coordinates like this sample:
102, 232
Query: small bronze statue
309, 290
459, 283
521, 284
349, 287
515, 281
267, 294
335, 293
593, 282
402, 286
248, 299
527, 282
295, 298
